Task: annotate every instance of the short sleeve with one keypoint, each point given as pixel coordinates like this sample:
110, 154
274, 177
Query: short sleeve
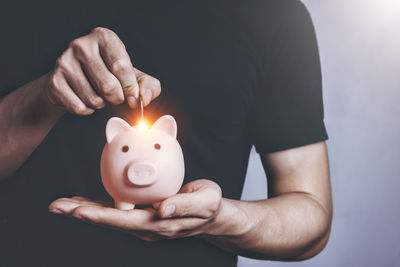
288, 110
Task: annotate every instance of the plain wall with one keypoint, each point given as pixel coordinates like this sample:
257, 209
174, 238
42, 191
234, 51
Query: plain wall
359, 44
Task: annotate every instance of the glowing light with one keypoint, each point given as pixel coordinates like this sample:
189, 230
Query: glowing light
143, 125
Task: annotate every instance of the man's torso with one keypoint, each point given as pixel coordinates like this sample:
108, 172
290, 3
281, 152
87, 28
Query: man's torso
210, 70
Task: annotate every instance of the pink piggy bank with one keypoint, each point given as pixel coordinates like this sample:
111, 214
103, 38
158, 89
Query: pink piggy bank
141, 165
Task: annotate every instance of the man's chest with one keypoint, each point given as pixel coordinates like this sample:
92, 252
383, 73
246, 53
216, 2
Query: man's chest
208, 69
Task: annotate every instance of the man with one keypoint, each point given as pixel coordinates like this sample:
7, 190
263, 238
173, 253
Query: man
234, 74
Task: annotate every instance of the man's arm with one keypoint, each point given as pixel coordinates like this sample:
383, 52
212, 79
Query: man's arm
294, 224
26, 116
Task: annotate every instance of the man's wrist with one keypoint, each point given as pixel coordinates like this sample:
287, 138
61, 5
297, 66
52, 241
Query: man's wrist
230, 221
48, 103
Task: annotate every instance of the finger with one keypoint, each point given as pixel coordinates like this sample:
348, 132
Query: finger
79, 82
201, 201
148, 237
86, 50
67, 205
156, 205
198, 185
85, 200
180, 225
121, 219
149, 87
97, 212
80, 198
63, 94
116, 58
132, 101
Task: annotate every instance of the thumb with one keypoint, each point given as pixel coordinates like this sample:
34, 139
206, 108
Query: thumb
202, 203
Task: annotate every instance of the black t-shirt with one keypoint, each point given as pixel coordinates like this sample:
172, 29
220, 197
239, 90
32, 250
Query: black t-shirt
233, 73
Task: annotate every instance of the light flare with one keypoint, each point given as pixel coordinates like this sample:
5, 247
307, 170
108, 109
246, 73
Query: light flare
143, 124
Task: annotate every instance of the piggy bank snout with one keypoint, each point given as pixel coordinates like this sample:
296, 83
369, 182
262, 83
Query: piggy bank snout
141, 173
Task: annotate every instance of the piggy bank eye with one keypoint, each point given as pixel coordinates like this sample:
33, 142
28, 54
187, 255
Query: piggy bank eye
125, 148
157, 146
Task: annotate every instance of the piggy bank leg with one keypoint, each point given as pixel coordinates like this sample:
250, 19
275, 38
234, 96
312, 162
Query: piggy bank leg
124, 205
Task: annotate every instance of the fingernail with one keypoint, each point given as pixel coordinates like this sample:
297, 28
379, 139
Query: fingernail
131, 101
56, 211
169, 210
147, 96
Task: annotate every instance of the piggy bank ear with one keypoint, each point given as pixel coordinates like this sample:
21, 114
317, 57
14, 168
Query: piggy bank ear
167, 124
114, 127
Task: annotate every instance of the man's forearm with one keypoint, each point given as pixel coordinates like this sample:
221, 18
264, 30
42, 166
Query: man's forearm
289, 227
26, 116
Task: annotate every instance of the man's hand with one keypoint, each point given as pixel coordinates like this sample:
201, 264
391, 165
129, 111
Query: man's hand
293, 224
95, 70
190, 212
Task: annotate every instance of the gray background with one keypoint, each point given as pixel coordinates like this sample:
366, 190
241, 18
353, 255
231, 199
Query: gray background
359, 44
